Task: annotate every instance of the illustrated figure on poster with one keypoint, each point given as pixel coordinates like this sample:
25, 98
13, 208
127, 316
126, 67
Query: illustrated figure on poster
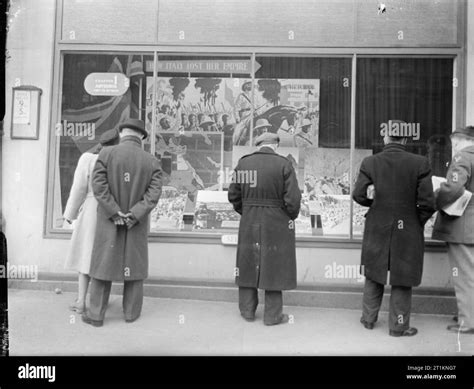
282, 121
184, 124
243, 102
164, 93
207, 124
302, 137
216, 118
193, 123
261, 126
228, 130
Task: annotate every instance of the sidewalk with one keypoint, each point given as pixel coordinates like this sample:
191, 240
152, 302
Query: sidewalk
41, 324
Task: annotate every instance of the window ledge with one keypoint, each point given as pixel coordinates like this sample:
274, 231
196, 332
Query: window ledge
216, 238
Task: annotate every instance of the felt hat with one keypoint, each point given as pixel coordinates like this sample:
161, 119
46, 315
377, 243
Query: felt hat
134, 124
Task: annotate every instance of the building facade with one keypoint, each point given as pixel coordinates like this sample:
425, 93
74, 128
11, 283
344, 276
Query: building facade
327, 76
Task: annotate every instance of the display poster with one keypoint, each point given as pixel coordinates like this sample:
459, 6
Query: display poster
22, 107
203, 126
326, 170
213, 211
327, 188
288, 107
168, 214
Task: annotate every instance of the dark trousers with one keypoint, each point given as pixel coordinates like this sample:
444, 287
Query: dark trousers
248, 301
132, 301
400, 304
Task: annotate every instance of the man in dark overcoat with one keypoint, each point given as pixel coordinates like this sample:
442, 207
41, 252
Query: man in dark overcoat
127, 184
265, 192
393, 243
458, 231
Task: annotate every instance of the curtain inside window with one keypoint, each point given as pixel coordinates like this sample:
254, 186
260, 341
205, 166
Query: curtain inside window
415, 90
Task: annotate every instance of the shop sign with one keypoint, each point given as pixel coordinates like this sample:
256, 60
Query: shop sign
106, 84
205, 66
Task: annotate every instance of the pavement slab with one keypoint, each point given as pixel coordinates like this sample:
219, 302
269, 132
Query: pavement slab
41, 324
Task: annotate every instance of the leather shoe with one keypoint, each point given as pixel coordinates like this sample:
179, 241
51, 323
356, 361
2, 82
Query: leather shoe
96, 323
459, 329
412, 331
131, 320
248, 318
284, 318
369, 326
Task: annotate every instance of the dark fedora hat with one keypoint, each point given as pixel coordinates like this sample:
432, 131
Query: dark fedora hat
134, 124
466, 131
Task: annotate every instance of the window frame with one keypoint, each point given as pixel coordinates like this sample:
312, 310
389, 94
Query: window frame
349, 242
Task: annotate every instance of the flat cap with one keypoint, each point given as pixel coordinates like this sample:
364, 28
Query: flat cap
109, 138
267, 138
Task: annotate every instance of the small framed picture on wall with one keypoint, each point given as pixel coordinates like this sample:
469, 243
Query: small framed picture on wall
25, 112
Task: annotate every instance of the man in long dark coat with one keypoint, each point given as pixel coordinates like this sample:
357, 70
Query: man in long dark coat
265, 192
127, 185
458, 231
393, 237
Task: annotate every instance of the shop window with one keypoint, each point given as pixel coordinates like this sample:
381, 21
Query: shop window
193, 125
98, 92
314, 95
204, 112
417, 91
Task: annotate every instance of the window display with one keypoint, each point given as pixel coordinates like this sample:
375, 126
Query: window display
99, 91
319, 96
203, 114
417, 91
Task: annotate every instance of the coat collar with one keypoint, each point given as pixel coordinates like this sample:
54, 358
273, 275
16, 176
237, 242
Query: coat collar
394, 147
265, 150
133, 140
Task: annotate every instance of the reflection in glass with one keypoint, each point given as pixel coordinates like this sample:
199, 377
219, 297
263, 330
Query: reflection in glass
417, 91
88, 109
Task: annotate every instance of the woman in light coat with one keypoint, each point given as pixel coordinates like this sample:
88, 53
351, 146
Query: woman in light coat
82, 207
